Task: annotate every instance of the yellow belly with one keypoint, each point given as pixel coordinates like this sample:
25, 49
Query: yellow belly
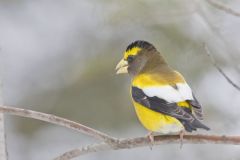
157, 122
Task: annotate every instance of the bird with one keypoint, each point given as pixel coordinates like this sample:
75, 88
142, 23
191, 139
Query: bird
163, 101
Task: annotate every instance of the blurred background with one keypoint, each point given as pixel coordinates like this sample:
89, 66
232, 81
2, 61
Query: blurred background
59, 57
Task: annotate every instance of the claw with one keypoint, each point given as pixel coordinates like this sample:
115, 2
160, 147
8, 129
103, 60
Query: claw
181, 134
151, 139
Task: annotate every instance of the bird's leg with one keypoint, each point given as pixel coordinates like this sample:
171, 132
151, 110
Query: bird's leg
181, 134
151, 139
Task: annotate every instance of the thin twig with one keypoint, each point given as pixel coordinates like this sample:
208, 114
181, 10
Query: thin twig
144, 141
97, 147
59, 121
3, 145
222, 7
220, 69
216, 34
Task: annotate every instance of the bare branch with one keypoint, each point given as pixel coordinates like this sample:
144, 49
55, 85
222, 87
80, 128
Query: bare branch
144, 141
110, 143
222, 7
3, 146
84, 150
220, 69
59, 121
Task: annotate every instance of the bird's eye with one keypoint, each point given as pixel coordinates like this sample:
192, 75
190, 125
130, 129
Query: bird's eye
130, 59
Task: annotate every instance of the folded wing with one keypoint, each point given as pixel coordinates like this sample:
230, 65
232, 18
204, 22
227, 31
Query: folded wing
164, 100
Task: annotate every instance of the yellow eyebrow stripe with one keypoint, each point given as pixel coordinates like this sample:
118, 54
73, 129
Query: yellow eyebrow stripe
133, 51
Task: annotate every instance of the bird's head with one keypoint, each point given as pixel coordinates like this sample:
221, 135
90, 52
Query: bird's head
136, 57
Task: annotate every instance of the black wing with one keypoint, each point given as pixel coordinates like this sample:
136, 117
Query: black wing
197, 108
172, 109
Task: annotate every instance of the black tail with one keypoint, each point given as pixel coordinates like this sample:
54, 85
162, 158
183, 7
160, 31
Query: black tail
193, 125
199, 124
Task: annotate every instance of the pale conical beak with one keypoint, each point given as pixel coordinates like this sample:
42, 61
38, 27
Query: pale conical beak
122, 67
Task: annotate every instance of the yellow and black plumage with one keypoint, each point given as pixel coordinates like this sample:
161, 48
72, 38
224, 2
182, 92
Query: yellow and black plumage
162, 99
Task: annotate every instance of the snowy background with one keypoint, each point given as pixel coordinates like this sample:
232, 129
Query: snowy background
59, 57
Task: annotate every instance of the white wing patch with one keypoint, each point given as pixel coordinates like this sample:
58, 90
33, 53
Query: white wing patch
185, 91
170, 94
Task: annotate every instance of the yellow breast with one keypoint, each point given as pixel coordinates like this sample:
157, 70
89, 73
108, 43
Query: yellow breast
157, 122
146, 80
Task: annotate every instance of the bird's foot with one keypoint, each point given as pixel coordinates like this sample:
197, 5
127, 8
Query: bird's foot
181, 134
151, 139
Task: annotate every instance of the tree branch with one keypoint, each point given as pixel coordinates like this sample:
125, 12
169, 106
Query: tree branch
222, 7
59, 121
144, 141
220, 69
3, 146
97, 147
111, 143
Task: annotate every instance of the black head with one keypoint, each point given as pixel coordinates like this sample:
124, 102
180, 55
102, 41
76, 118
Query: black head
136, 57
140, 44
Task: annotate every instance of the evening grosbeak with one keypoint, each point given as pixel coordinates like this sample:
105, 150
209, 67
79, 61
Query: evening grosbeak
163, 101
